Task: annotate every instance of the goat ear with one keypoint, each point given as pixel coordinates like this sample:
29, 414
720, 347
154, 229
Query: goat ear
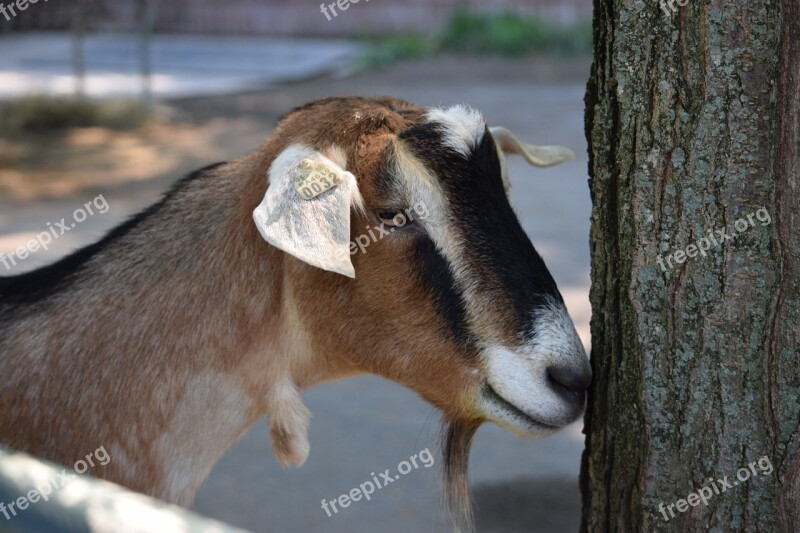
538, 156
314, 227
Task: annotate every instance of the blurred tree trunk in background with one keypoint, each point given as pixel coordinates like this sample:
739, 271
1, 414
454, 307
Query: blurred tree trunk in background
693, 123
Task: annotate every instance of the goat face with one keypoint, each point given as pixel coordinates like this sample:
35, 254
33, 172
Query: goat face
415, 267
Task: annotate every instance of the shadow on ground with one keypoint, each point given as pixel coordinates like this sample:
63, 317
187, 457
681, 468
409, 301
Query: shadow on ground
528, 505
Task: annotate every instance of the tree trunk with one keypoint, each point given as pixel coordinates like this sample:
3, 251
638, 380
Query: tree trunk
693, 124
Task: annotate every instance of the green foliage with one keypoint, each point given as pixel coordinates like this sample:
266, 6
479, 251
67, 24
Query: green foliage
393, 49
502, 34
39, 114
575, 39
508, 34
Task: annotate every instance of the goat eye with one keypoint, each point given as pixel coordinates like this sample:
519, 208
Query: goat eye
392, 218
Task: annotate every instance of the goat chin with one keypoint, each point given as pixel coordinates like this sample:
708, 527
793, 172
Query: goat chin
457, 436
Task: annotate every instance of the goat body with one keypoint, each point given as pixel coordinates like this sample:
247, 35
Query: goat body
166, 340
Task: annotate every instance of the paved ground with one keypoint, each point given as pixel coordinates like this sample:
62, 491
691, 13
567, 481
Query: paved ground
368, 425
181, 65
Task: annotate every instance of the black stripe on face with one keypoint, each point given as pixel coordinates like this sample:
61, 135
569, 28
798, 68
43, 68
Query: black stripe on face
496, 247
437, 278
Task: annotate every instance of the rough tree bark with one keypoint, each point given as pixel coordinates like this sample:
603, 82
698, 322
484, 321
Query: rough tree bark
693, 122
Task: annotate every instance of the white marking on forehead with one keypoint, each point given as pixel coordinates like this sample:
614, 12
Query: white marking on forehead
421, 187
464, 127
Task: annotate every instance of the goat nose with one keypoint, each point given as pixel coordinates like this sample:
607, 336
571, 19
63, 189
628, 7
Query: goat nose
576, 381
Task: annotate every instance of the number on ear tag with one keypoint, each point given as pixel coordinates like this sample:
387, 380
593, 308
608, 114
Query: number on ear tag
312, 179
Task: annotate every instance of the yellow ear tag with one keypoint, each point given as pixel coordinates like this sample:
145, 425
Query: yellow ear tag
312, 179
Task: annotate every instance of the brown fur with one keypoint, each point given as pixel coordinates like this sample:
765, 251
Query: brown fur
175, 338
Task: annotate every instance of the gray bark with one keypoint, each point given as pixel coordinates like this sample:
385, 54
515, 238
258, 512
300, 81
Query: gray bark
693, 123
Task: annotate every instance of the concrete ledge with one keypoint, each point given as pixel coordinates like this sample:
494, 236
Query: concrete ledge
37, 496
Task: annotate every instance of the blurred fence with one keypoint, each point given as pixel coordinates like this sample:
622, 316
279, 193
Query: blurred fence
283, 17
119, 37
83, 17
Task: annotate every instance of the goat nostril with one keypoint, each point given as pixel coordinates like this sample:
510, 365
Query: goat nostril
567, 378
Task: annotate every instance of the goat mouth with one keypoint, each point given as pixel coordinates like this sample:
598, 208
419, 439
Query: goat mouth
493, 397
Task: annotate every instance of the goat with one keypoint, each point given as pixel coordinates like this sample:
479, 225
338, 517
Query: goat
170, 337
